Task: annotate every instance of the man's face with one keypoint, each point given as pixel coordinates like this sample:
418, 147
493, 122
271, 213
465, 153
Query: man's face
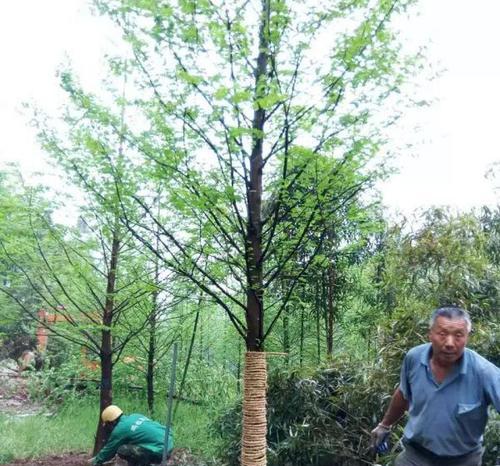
448, 338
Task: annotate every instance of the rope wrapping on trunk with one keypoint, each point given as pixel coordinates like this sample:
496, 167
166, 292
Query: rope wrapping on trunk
253, 441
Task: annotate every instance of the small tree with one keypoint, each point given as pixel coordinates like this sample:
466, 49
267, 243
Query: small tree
92, 157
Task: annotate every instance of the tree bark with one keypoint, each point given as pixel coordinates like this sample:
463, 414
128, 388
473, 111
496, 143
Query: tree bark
330, 310
301, 357
319, 304
106, 391
152, 349
286, 333
153, 323
253, 451
238, 369
254, 445
255, 292
286, 327
189, 354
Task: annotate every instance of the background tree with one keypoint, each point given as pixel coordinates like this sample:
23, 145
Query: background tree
17, 329
91, 153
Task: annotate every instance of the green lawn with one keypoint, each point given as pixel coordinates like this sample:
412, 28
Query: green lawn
73, 426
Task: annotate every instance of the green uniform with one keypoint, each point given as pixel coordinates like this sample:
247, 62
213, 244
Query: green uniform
136, 430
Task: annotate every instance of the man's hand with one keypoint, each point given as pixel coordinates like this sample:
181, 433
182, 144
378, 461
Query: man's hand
379, 435
92, 460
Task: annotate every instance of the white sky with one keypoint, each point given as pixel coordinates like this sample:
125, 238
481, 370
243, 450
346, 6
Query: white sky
458, 132
36, 37
460, 129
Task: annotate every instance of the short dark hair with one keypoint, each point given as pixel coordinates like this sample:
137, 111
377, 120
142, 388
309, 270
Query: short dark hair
453, 313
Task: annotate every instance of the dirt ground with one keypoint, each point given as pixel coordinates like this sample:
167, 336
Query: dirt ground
179, 457
14, 401
70, 459
14, 398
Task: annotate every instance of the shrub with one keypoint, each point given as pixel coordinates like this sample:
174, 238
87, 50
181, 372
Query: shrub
53, 385
323, 417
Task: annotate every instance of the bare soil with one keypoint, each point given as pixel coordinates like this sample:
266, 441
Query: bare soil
179, 457
69, 459
14, 401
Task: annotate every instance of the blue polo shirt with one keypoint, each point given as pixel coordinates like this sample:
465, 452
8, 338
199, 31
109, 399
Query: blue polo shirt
448, 418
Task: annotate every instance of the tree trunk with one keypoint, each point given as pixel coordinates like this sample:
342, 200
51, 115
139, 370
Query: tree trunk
255, 292
106, 391
253, 452
238, 369
319, 302
189, 355
254, 445
286, 329
153, 323
301, 357
330, 311
201, 352
151, 353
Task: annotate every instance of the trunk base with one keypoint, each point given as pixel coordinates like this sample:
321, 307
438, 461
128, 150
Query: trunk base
253, 442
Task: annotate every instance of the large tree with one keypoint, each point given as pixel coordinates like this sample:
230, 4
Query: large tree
234, 104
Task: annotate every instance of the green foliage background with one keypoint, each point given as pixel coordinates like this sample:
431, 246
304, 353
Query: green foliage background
163, 157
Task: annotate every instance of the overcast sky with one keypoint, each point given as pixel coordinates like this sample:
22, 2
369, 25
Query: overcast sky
460, 129
458, 133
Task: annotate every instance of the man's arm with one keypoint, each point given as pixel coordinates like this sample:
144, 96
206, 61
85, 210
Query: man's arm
396, 409
109, 450
491, 380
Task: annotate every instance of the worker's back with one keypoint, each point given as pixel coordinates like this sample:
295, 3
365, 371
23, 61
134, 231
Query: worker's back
137, 429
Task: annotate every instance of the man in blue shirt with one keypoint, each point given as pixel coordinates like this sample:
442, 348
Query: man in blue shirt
446, 389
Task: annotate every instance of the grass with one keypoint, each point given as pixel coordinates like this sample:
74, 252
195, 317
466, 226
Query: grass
73, 427
191, 424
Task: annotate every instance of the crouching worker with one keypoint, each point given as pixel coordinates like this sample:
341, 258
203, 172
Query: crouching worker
135, 438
